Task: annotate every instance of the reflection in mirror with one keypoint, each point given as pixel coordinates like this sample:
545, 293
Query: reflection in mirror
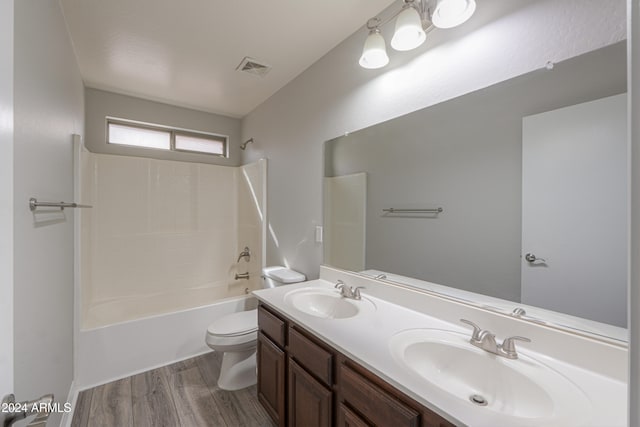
531, 177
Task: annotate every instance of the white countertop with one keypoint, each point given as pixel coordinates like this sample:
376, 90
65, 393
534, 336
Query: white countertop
364, 338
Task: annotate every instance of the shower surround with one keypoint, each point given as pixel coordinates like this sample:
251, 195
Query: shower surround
164, 236
156, 258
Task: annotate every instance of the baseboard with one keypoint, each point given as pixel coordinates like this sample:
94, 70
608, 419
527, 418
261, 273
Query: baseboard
72, 398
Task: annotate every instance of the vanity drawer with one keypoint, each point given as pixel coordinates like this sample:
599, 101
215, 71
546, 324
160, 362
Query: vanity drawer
272, 326
312, 356
380, 407
348, 418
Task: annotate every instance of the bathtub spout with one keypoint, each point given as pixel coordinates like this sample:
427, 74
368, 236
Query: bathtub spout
242, 276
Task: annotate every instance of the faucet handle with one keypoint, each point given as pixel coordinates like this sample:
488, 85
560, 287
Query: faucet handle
475, 336
356, 292
339, 284
509, 347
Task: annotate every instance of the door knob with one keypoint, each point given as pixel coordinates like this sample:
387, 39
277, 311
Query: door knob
532, 258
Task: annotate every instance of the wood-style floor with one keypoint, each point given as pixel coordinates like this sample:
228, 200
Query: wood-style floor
184, 394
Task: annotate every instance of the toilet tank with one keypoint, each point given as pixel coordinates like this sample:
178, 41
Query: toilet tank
278, 276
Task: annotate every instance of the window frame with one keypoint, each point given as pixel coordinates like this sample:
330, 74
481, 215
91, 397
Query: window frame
172, 131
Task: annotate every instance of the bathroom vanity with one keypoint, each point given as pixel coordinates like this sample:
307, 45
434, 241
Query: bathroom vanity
401, 357
305, 382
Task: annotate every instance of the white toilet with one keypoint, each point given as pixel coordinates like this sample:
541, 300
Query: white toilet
236, 335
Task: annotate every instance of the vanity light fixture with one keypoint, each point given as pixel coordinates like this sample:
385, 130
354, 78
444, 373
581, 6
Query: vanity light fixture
451, 13
413, 22
409, 33
374, 54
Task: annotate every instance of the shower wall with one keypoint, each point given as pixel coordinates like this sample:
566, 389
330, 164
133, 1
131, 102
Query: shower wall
165, 235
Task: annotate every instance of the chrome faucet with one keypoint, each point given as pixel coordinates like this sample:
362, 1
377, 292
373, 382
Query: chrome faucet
518, 312
508, 347
246, 253
486, 340
348, 291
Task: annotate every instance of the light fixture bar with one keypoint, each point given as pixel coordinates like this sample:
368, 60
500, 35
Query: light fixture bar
413, 21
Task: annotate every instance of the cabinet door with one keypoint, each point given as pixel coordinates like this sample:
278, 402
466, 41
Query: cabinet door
309, 400
348, 418
379, 406
271, 379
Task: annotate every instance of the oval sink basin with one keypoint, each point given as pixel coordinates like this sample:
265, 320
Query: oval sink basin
519, 392
326, 303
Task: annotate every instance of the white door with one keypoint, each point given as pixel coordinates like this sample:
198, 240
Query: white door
574, 210
6, 197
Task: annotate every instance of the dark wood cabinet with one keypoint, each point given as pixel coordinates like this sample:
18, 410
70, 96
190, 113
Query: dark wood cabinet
378, 406
271, 379
303, 382
348, 418
272, 326
310, 402
315, 358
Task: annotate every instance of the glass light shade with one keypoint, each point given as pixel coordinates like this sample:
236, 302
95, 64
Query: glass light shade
451, 13
374, 54
409, 33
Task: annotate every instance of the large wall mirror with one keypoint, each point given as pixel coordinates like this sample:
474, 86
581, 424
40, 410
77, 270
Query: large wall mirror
513, 196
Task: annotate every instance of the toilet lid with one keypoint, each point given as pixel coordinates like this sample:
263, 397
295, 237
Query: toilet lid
241, 323
284, 275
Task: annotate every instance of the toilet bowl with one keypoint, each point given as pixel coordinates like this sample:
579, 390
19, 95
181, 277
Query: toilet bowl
236, 335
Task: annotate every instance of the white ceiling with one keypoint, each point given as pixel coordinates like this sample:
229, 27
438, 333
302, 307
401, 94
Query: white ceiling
184, 52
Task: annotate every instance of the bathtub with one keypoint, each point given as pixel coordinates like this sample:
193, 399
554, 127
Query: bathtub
116, 350
124, 309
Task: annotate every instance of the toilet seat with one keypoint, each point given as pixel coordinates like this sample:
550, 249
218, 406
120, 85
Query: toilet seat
235, 324
234, 332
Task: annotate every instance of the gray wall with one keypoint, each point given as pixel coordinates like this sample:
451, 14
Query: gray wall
505, 38
634, 238
6, 197
49, 108
466, 156
100, 104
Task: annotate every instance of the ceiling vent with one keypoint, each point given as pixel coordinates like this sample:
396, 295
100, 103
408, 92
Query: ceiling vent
252, 66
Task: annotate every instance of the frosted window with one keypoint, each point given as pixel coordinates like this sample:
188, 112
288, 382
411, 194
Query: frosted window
202, 144
139, 136
147, 135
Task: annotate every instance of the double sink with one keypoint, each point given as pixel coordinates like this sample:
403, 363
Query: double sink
523, 390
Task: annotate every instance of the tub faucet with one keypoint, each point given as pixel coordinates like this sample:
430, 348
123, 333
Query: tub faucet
246, 253
242, 276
